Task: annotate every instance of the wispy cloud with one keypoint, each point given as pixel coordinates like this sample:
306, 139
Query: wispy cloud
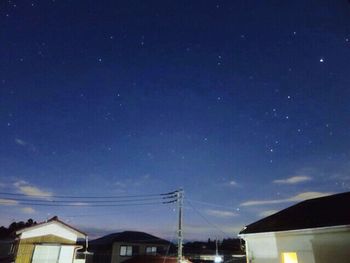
133, 182
30, 190
28, 210
293, 180
297, 198
232, 183
78, 204
220, 213
8, 202
198, 231
120, 184
25, 144
267, 213
20, 142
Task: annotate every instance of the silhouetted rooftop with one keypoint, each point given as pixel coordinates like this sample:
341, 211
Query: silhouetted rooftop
333, 210
129, 236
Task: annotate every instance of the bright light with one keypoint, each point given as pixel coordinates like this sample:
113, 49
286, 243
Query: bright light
217, 259
290, 257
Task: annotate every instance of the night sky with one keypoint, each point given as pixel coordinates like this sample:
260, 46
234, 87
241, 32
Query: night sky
245, 104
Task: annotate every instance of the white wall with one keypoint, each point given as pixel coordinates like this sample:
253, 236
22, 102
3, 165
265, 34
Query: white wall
54, 253
50, 229
311, 246
66, 254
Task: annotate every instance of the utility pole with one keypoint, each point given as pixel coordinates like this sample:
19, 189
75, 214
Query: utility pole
180, 196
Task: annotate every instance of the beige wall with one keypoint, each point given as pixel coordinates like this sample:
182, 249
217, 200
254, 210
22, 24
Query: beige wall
312, 246
26, 246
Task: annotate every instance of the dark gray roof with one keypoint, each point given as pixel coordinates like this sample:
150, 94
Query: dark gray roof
130, 237
333, 210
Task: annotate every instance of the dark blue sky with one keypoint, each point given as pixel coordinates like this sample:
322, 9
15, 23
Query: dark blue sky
235, 101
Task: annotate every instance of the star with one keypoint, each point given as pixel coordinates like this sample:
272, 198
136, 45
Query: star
321, 60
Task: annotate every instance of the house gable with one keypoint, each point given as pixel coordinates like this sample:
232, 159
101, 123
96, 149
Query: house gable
51, 228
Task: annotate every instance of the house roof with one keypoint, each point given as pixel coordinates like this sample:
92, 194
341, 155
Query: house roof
50, 221
130, 237
333, 210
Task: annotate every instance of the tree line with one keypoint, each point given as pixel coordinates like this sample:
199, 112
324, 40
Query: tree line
10, 231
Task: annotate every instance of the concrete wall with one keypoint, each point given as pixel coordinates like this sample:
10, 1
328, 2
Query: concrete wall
311, 246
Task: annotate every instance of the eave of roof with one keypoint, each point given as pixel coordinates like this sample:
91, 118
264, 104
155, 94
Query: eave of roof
300, 231
50, 221
320, 212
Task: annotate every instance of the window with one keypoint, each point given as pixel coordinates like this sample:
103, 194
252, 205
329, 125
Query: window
289, 257
151, 250
46, 254
125, 251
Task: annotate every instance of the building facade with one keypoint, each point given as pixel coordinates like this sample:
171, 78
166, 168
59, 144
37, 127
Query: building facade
119, 247
52, 241
313, 231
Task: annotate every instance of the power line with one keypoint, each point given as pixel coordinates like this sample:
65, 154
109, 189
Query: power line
85, 204
205, 219
209, 204
89, 197
89, 201
85, 201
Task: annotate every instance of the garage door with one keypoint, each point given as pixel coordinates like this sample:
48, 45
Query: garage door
46, 254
